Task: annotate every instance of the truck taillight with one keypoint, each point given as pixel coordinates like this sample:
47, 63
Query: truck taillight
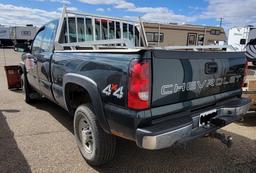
139, 84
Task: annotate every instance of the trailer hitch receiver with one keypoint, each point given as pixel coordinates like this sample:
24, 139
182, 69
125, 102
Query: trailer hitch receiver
228, 141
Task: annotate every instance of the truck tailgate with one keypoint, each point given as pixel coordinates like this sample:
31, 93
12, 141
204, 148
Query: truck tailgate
180, 76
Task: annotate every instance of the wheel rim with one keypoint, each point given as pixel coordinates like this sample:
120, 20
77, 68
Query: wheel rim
86, 135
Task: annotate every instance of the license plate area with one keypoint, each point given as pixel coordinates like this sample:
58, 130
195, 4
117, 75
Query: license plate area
205, 118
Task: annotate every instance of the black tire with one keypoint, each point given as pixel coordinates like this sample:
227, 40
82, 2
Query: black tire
103, 144
26, 89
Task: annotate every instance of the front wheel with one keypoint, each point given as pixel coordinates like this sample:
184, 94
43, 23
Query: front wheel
96, 146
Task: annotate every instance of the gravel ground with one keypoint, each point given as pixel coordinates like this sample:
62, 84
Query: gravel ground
39, 138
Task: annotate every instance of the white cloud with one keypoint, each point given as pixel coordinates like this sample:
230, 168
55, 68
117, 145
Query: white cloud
100, 9
69, 8
125, 5
157, 14
23, 15
59, 1
161, 14
100, 2
234, 12
122, 4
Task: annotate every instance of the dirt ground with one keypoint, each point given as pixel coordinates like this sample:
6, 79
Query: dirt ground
39, 138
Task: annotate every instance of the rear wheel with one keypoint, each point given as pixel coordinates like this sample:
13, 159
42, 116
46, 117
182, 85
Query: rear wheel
96, 146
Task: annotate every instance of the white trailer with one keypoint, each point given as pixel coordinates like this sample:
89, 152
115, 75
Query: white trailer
4, 32
21, 34
5, 39
238, 37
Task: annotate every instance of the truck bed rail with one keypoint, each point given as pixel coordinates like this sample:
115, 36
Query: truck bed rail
120, 38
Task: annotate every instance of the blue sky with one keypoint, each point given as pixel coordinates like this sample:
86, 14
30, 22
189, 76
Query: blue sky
204, 12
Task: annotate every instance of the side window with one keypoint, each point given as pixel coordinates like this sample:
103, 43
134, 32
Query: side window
97, 29
81, 29
159, 36
215, 32
104, 29
47, 43
88, 29
118, 30
137, 37
130, 33
72, 29
125, 31
111, 30
150, 36
64, 36
36, 48
154, 36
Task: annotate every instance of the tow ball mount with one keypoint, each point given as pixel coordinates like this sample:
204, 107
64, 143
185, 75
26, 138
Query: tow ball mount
228, 141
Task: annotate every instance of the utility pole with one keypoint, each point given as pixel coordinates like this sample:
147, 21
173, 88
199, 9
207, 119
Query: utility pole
221, 20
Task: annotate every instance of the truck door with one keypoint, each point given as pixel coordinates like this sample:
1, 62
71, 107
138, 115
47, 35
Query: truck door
191, 39
44, 60
31, 60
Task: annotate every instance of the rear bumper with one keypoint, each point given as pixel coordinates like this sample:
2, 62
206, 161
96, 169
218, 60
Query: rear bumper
251, 95
163, 135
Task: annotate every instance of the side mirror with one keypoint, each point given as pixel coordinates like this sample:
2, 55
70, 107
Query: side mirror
22, 47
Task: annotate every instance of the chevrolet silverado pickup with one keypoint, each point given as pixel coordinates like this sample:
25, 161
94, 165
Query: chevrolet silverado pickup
155, 97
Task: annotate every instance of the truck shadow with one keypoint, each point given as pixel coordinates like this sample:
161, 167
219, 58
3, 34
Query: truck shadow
11, 158
57, 112
249, 120
202, 155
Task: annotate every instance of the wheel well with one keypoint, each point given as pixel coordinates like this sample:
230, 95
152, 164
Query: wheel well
75, 95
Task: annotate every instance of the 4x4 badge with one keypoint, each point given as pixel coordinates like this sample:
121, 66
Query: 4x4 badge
113, 89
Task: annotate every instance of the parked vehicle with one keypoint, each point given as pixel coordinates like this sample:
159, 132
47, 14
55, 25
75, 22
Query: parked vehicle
239, 37
12, 35
183, 35
5, 39
249, 88
23, 34
101, 71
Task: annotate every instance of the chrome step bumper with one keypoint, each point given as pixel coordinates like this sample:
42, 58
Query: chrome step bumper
162, 136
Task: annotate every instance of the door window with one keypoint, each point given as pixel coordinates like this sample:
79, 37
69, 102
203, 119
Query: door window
48, 40
47, 43
37, 42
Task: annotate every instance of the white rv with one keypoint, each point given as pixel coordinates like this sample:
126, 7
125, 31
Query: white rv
21, 34
238, 37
